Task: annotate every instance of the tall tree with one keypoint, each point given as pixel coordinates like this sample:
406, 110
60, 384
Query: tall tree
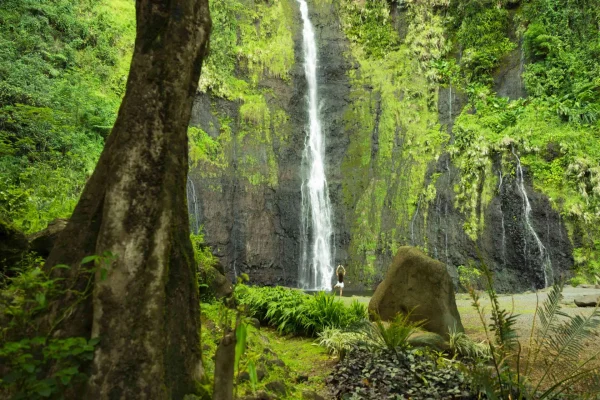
145, 310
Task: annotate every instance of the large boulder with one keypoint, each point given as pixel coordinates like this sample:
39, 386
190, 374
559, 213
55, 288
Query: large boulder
415, 282
217, 285
13, 247
43, 241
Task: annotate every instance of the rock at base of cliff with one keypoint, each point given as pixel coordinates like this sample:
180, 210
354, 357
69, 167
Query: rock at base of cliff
589, 300
415, 282
217, 285
13, 247
43, 241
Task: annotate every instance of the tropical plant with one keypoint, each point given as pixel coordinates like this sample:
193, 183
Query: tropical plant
35, 364
292, 311
339, 342
460, 344
395, 335
557, 341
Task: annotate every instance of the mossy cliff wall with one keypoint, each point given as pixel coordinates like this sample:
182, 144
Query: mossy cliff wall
425, 114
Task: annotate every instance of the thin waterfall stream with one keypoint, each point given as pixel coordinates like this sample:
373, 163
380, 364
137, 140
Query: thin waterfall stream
192, 201
544, 256
316, 264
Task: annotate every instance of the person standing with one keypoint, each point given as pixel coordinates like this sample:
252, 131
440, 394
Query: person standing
340, 272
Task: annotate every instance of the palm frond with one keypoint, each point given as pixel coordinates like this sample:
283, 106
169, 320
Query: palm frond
551, 308
565, 344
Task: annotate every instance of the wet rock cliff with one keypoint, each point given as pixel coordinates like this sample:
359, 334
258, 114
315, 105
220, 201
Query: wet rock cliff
393, 176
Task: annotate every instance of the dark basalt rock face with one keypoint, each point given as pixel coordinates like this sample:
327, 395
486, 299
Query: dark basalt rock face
255, 228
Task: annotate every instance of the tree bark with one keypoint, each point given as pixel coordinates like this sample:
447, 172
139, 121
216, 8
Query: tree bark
224, 368
146, 310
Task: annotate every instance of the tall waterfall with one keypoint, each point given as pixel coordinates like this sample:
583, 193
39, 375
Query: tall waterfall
544, 256
316, 268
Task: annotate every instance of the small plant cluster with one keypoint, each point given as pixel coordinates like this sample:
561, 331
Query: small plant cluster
398, 335
33, 363
388, 374
292, 311
25, 361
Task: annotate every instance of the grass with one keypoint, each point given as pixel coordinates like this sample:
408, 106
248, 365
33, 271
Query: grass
304, 368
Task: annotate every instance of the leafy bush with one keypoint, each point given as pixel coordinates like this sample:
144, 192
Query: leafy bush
339, 342
33, 363
292, 311
26, 360
469, 276
460, 344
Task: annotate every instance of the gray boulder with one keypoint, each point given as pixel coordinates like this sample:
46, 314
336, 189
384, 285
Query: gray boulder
415, 282
589, 300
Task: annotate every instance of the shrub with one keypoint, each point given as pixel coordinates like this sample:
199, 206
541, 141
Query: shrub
292, 311
34, 364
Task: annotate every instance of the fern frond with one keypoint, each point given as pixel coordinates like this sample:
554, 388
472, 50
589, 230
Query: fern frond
566, 342
551, 308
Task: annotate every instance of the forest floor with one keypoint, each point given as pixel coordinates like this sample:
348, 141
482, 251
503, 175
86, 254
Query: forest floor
289, 366
523, 305
302, 366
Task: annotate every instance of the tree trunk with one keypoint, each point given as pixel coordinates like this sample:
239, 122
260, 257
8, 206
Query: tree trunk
224, 367
146, 310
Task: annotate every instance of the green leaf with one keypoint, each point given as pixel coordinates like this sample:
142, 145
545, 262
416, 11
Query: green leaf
29, 368
240, 345
44, 389
89, 259
253, 375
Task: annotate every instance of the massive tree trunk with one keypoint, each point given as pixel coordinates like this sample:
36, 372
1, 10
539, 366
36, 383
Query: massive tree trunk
146, 310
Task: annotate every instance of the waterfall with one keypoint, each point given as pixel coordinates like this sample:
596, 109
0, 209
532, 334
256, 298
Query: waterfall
446, 230
192, 202
502, 219
316, 269
544, 256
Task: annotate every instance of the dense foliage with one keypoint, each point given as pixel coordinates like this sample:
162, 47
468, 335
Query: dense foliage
292, 311
34, 362
555, 130
63, 67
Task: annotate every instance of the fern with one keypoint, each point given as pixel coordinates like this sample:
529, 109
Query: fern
396, 335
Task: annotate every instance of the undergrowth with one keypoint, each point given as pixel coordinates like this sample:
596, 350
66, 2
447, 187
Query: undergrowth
292, 311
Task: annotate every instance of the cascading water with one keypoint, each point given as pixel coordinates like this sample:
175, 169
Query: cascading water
192, 201
316, 268
544, 256
500, 181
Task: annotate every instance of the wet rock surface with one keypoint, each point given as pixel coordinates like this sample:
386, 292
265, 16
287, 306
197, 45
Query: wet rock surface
256, 228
